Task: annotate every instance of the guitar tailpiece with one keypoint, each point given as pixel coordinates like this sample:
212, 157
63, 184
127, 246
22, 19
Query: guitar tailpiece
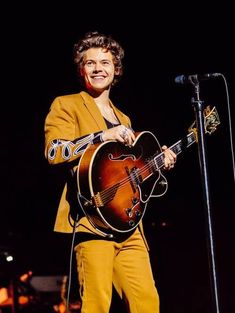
80, 196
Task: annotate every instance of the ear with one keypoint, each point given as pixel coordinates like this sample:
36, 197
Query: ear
117, 71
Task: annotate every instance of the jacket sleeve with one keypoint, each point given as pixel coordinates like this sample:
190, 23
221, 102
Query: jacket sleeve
61, 141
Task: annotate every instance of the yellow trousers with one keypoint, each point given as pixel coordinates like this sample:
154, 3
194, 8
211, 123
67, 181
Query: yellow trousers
125, 265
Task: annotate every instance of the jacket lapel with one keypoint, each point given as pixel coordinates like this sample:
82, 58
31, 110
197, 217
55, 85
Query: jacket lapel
95, 112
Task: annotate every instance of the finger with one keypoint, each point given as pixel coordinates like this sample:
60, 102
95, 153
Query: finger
130, 137
124, 132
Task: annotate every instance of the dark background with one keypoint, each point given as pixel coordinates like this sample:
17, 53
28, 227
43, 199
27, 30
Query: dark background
160, 43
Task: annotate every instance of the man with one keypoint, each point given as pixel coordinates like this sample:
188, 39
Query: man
105, 257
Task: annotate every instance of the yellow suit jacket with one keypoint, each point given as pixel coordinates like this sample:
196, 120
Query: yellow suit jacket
70, 117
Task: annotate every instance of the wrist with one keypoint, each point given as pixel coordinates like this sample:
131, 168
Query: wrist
102, 139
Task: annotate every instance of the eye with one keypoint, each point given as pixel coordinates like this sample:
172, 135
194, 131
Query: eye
106, 62
89, 63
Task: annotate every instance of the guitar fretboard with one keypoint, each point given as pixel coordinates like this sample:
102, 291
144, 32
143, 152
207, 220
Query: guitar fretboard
177, 148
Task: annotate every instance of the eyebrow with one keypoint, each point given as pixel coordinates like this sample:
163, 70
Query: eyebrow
102, 60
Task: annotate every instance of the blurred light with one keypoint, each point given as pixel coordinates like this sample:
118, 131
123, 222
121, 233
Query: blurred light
6, 257
9, 258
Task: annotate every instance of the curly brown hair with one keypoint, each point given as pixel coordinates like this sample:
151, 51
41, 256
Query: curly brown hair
95, 39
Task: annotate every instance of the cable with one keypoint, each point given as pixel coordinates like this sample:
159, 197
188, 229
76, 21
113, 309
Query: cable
230, 125
71, 265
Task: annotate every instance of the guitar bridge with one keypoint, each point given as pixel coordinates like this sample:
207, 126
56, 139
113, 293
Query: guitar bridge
135, 177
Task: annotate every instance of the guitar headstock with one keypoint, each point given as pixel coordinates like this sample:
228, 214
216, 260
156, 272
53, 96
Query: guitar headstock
211, 121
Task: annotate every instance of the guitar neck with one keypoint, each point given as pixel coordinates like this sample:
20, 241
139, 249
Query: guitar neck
177, 148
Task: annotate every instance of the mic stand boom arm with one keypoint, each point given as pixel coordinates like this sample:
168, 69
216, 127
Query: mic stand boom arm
198, 108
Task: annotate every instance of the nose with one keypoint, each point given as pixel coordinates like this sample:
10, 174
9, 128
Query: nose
98, 67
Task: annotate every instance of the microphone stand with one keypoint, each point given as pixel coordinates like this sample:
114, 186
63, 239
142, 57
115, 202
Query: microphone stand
198, 108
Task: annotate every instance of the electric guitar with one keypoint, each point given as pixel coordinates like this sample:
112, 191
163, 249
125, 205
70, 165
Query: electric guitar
115, 182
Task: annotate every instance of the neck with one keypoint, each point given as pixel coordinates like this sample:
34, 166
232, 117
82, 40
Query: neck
106, 109
100, 97
102, 101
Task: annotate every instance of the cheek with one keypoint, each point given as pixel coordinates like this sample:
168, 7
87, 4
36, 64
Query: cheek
82, 72
84, 75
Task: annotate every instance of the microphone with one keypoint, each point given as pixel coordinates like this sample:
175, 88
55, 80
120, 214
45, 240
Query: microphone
194, 79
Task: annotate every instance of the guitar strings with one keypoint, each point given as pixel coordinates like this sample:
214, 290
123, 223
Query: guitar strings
156, 162
108, 193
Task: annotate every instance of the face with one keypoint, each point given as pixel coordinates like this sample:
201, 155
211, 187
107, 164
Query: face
98, 69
